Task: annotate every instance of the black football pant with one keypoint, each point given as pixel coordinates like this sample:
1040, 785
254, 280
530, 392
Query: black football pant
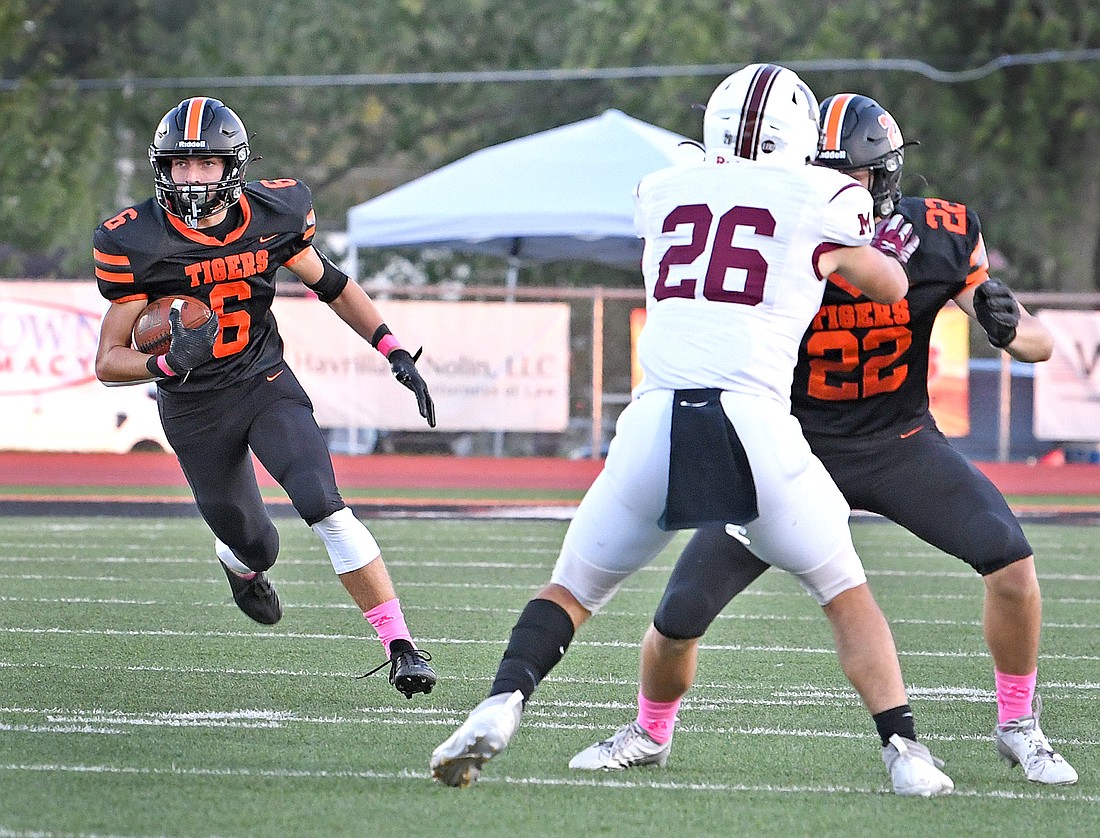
918, 480
213, 433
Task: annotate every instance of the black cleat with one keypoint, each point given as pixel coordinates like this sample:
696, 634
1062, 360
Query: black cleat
409, 672
256, 597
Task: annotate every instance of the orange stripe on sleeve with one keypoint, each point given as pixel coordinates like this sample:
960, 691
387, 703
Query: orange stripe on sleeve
293, 259
110, 258
979, 264
114, 276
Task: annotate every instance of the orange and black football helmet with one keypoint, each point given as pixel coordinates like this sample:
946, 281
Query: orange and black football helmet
199, 127
858, 133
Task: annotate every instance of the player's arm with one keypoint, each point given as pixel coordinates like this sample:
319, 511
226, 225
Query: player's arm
1008, 324
876, 267
880, 277
355, 307
350, 302
116, 361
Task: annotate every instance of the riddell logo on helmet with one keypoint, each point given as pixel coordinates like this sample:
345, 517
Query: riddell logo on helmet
191, 144
832, 154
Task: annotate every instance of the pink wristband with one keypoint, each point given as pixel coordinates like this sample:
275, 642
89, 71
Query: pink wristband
162, 364
388, 344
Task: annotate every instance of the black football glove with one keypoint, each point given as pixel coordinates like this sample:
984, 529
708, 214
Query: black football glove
997, 312
190, 347
404, 370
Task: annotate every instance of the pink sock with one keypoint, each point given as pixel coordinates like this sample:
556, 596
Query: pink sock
657, 718
389, 621
1015, 694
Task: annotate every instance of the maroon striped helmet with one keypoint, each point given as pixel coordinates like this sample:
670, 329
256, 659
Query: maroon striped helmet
762, 112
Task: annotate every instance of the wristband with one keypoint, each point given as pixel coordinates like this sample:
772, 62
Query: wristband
384, 341
388, 344
158, 367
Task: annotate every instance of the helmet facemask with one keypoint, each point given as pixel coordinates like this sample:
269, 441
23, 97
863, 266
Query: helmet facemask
199, 127
885, 186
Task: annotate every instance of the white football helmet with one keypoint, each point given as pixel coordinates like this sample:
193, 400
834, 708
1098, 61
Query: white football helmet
762, 112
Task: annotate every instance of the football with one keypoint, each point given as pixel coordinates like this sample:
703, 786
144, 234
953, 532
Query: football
153, 332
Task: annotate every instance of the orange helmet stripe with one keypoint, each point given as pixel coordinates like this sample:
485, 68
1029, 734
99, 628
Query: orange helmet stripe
833, 123
193, 121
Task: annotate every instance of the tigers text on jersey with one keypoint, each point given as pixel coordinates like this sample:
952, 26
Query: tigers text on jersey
730, 269
145, 253
863, 367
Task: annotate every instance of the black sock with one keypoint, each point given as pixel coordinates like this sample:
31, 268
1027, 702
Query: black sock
899, 720
400, 645
539, 639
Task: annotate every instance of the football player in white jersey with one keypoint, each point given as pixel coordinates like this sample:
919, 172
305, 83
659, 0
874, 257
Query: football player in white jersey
737, 248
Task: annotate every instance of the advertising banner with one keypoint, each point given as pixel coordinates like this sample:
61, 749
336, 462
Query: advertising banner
489, 366
949, 371
1067, 387
50, 399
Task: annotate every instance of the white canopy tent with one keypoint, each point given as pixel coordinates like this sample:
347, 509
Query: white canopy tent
565, 193
561, 194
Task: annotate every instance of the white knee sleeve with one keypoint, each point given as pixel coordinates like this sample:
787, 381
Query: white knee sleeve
350, 545
226, 554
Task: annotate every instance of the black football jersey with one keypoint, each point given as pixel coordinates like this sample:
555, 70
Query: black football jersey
863, 366
146, 253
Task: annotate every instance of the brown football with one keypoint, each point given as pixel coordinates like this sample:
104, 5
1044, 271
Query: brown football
153, 332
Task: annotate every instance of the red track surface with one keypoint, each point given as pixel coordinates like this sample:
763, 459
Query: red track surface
398, 472
375, 471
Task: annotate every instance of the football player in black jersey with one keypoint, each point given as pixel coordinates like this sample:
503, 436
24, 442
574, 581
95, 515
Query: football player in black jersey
224, 391
860, 392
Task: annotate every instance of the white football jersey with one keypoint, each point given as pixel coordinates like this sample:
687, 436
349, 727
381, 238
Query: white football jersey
730, 269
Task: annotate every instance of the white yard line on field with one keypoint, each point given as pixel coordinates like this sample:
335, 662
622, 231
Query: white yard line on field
587, 782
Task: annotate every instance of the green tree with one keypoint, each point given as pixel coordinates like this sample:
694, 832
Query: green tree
1018, 144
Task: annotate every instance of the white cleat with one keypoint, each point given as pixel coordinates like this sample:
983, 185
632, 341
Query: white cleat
630, 746
1022, 742
914, 772
485, 733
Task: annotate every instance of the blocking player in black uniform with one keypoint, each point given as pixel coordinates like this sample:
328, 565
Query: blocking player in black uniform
860, 391
224, 389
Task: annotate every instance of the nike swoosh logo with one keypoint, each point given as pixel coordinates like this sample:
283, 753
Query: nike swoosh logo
265, 239
693, 404
908, 434
273, 377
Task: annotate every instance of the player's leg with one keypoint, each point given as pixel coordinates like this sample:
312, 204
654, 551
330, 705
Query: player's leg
936, 493
219, 471
304, 470
665, 674
613, 534
803, 528
865, 649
